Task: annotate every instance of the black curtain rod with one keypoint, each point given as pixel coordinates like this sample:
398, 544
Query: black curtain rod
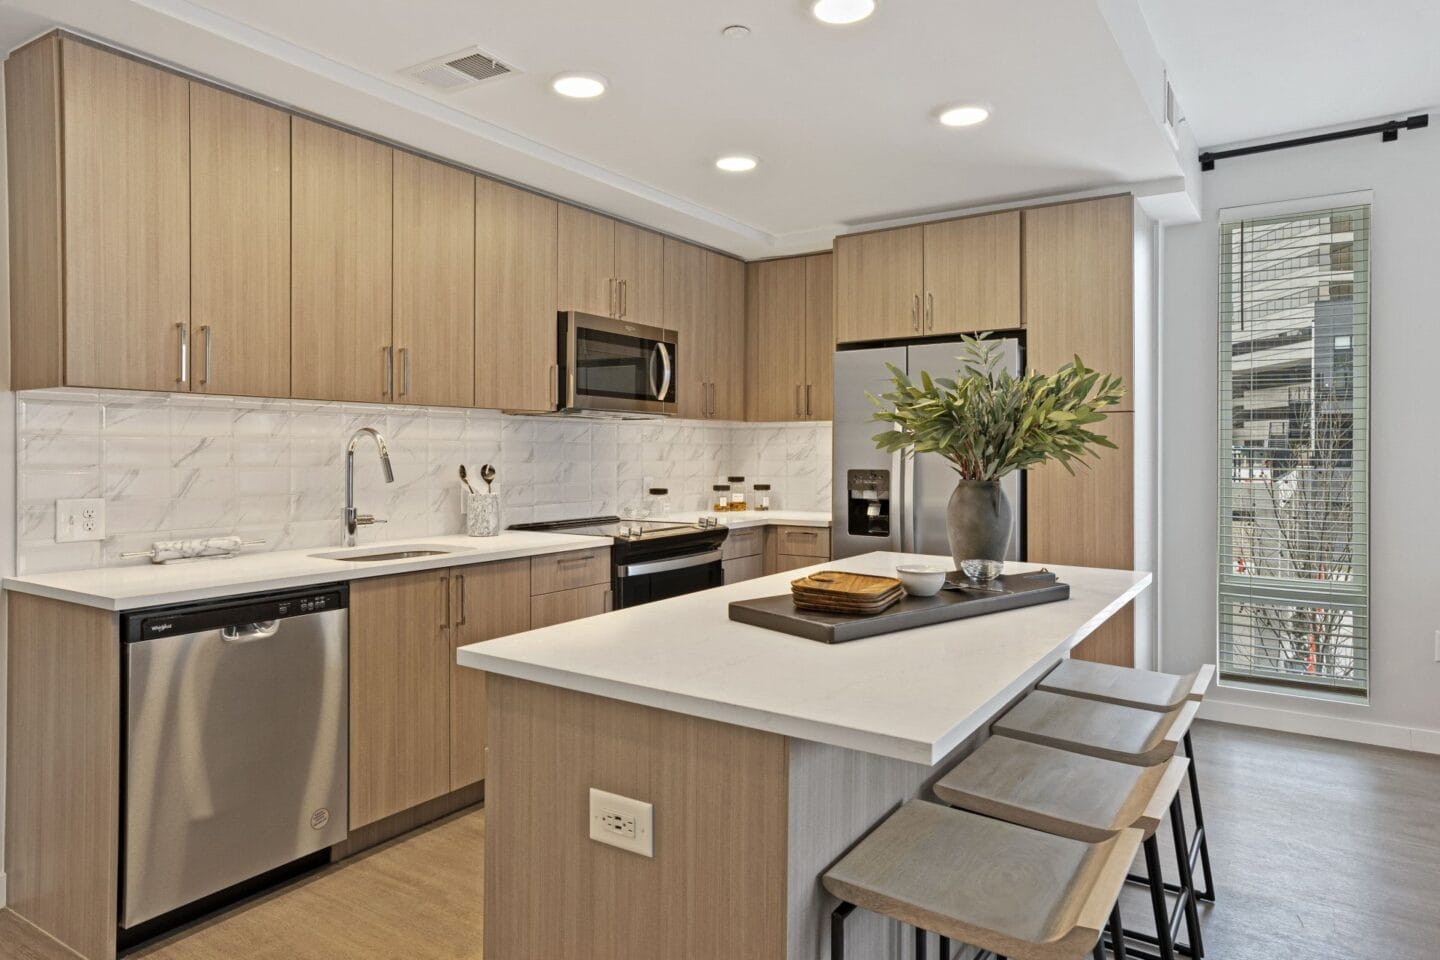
1389, 130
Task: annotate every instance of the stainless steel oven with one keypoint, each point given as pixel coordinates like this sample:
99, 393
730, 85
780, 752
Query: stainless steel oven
616, 367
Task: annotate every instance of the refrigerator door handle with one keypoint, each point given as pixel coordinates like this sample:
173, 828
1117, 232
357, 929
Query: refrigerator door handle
904, 470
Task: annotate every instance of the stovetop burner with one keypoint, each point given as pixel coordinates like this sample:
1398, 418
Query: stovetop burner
612, 527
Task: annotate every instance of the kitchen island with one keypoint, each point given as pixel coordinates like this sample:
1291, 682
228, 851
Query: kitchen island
764, 756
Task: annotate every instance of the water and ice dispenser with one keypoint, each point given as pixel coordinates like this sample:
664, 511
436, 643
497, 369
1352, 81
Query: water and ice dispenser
868, 513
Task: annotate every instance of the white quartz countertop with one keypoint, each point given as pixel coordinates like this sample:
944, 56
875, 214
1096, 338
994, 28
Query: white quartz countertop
913, 695
756, 518
148, 585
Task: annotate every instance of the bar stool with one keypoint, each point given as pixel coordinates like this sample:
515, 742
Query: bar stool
1145, 690
1088, 799
996, 886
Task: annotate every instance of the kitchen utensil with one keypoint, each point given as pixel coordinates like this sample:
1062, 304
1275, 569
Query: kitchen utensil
200, 548
921, 579
487, 473
466, 479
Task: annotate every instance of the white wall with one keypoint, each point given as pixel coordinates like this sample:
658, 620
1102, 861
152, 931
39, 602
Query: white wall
1404, 709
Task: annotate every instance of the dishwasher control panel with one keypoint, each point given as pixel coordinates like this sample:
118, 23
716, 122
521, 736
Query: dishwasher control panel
232, 611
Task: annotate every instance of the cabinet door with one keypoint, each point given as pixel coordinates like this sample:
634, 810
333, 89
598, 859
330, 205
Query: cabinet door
487, 600
775, 337
516, 237
685, 313
1079, 286
563, 606
972, 274
741, 569
239, 245
878, 281
640, 267
587, 262
819, 336
340, 332
126, 137
434, 264
399, 694
725, 311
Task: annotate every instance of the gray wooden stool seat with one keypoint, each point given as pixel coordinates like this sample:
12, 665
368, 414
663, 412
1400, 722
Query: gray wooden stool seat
1089, 799
1126, 686
1126, 734
1145, 690
994, 885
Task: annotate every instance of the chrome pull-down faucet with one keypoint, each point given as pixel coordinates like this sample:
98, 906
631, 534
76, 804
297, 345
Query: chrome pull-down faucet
351, 517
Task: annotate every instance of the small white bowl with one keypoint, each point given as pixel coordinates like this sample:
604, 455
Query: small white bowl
921, 579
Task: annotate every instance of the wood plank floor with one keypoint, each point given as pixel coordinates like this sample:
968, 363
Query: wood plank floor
1320, 849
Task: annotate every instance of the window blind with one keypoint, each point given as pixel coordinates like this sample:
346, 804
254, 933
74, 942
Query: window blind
1294, 557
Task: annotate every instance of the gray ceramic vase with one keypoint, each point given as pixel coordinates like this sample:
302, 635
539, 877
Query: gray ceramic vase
978, 519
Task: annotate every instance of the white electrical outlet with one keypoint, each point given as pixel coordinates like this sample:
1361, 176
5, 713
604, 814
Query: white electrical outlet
79, 520
622, 822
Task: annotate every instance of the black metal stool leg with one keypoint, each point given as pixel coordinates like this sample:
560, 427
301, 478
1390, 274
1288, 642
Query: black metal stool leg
837, 930
1187, 878
1117, 933
944, 948
919, 944
1201, 838
1157, 899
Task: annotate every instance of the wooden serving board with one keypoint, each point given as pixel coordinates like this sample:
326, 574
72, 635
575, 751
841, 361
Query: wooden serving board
837, 591
1005, 593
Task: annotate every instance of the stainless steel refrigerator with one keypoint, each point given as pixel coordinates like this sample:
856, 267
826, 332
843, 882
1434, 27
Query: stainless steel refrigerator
883, 501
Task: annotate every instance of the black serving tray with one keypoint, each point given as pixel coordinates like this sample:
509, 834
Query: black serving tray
959, 599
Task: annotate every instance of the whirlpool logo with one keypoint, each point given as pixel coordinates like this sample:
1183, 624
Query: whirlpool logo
320, 818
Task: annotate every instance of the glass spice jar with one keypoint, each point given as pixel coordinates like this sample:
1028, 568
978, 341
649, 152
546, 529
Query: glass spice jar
659, 501
721, 500
762, 496
737, 493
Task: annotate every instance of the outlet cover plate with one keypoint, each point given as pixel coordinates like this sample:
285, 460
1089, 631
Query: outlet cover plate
77, 520
622, 822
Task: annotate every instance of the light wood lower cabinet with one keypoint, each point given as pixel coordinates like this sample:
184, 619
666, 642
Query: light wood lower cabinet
741, 569
399, 693
563, 606
487, 600
743, 554
787, 548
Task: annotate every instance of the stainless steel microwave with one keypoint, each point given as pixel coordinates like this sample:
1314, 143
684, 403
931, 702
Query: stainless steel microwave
616, 367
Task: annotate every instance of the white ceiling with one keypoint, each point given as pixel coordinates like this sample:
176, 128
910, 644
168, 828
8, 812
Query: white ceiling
842, 118
1251, 69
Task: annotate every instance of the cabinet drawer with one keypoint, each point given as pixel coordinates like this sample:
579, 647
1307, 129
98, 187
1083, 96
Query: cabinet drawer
789, 561
743, 543
563, 606
803, 541
741, 569
566, 571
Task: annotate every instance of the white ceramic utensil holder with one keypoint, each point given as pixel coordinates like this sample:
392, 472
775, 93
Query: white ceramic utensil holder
482, 513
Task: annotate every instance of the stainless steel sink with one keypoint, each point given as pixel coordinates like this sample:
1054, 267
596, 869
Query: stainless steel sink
406, 551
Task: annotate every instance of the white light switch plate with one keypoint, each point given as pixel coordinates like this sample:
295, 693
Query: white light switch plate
77, 520
622, 822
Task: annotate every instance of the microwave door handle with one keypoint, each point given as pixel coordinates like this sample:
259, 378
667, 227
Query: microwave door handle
650, 371
664, 392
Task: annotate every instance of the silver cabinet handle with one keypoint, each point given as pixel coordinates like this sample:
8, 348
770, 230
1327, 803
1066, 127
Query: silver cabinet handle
929, 311
664, 390
389, 372
577, 558
208, 334
183, 336
460, 579
808, 411
404, 371
614, 298
712, 398
624, 297
799, 404
915, 314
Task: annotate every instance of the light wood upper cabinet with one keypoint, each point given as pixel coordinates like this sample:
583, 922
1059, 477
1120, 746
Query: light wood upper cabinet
434, 283
879, 279
400, 654
340, 265
725, 316
686, 313
487, 600
99, 168
516, 264
775, 337
972, 274
640, 268
1079, 286
819, 336
239, 245
588, 281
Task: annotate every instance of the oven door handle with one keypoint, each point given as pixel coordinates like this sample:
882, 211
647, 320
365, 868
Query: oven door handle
662, 566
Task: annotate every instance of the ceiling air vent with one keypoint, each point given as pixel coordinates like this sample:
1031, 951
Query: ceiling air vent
457, 71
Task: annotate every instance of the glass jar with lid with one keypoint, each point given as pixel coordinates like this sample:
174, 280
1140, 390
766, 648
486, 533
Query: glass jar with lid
762, 496
720, 502
659, 502
737, 493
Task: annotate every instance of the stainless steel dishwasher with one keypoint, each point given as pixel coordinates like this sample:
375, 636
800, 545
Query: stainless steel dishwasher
235, 743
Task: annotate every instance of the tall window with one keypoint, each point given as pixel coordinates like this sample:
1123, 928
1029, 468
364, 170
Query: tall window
1294, 450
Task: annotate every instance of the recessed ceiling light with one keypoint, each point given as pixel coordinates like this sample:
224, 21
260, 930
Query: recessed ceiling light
964, 116
736, 31
580, 86
737, 163
842, 11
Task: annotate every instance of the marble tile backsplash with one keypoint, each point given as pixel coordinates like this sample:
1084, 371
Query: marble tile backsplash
174, 465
